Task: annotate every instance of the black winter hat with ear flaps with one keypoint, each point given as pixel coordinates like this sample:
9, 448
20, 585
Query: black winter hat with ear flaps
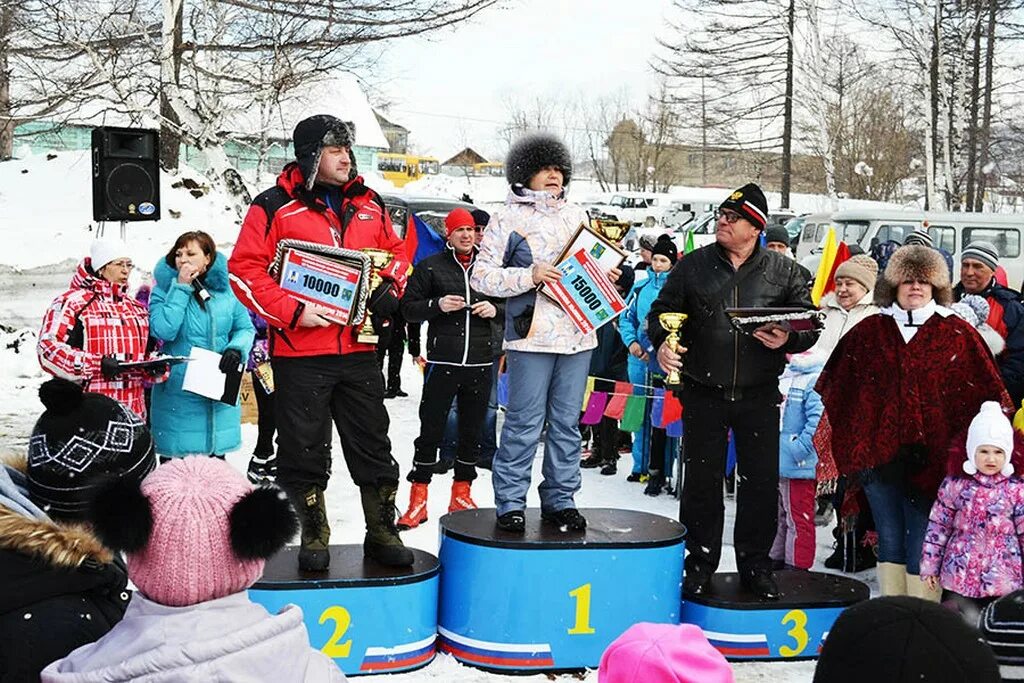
310, 137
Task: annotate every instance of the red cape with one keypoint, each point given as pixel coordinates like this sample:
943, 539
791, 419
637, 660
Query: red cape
881, 393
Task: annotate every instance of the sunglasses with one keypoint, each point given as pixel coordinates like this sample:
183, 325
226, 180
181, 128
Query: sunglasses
729, 216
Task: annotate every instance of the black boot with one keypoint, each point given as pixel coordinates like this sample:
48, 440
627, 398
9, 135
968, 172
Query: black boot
761, 583
315, 552
382, 542
655, 484
835, 560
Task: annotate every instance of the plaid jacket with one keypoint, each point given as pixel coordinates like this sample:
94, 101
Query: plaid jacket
96, 318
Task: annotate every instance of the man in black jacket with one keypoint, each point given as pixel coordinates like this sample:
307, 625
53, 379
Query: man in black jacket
459, 358
730, 381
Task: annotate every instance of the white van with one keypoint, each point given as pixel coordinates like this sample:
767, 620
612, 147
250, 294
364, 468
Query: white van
637, 208
949, 231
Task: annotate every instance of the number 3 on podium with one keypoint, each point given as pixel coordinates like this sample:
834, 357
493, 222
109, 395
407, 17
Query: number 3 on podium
799, 632
341, 619
582, 625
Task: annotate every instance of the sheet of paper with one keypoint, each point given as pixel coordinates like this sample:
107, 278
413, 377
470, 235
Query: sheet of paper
203, 375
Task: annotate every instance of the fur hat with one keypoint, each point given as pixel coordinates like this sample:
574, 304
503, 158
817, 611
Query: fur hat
861, 268
990, 427
310, 137
663, 652
195, 530
899, 639
912, 263
750, 203
81, 441
530, 153
105, 250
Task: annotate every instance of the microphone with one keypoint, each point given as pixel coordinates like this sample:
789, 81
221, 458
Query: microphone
201, 292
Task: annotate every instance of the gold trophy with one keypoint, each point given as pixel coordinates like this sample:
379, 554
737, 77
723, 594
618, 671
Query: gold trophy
613, 230
378, 259
671, 322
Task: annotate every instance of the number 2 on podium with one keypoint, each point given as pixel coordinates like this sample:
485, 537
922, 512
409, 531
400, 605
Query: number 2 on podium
582, 625
799, 632
341, 619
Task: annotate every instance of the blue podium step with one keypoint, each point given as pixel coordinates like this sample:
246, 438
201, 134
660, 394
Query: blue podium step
744, 627
552, 600
369, 618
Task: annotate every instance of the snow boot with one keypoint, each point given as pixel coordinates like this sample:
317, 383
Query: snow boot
919, 589
382, 542
892, 579
460, 497
417, 512
314, 551
655, 484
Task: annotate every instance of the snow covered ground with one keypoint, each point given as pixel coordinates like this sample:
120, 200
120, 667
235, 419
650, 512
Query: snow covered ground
45, 217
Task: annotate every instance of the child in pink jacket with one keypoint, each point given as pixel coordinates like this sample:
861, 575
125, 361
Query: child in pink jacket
973, 543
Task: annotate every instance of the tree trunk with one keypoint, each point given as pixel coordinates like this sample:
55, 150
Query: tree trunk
170, 72
932, 142
986, 113
787, 111
972, 124
7, 121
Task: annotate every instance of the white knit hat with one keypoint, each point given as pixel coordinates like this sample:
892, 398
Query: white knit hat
990, 427
105, 250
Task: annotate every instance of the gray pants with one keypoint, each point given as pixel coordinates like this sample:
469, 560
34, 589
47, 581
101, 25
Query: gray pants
542, 388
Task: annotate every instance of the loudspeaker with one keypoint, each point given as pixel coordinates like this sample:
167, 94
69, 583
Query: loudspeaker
125, 174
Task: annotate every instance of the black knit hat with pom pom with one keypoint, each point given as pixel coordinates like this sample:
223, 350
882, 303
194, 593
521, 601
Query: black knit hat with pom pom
80, 442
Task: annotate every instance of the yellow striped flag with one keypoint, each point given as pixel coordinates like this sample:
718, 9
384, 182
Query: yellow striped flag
828, 257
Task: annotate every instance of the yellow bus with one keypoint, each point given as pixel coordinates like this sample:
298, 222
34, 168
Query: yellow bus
489, 168
400, 169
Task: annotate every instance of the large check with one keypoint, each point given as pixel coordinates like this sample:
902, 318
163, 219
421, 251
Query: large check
585, 293
317, 279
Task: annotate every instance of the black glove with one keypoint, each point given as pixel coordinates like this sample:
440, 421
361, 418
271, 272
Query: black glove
110, 367
230, 360
157, 369
383, 301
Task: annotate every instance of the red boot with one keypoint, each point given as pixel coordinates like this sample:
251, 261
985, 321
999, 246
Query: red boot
460, 497
417, 512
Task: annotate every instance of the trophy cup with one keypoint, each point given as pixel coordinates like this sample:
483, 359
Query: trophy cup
671, 322
378, 259
613, 230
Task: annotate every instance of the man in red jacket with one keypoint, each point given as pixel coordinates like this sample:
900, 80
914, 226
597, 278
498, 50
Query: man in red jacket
321, 370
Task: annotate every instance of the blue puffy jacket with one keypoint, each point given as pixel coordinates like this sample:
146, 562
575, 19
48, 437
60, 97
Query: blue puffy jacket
184, 423
633, 323
797, 457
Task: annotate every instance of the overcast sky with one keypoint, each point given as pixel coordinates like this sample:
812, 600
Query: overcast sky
451, 89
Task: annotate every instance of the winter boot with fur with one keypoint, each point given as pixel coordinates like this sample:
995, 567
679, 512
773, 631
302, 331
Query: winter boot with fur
417, 512
382, 542
314, 553
892, 578
460, 497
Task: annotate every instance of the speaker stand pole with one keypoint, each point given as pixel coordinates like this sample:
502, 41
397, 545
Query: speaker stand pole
124, 231
99, 229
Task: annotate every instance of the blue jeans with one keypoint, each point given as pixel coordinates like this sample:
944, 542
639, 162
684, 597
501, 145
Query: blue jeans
488, 431
901, 518
542, 388
641, 440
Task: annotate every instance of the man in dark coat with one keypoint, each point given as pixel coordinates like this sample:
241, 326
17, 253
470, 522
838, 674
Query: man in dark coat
730, 381
459, 358
978, 264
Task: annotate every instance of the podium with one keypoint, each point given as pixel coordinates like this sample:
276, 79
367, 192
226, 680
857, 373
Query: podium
743, 627
549, 600
367, 617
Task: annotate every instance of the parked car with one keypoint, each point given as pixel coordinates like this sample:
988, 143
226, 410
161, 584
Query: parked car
432, 210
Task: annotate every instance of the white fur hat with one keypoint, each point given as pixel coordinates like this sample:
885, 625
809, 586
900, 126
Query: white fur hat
105, 250
990, 427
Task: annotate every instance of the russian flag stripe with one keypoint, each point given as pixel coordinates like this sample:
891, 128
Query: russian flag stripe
737, 637
742, 651
485, 645
386, 665
501, 660
401, 649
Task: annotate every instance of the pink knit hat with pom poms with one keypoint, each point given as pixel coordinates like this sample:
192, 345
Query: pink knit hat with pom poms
194, 531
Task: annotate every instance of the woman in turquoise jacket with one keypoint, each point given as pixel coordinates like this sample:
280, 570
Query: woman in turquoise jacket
193, 305
632, 329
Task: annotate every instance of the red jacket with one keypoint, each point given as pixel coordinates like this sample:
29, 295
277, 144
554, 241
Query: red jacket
111, 323
370, 226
